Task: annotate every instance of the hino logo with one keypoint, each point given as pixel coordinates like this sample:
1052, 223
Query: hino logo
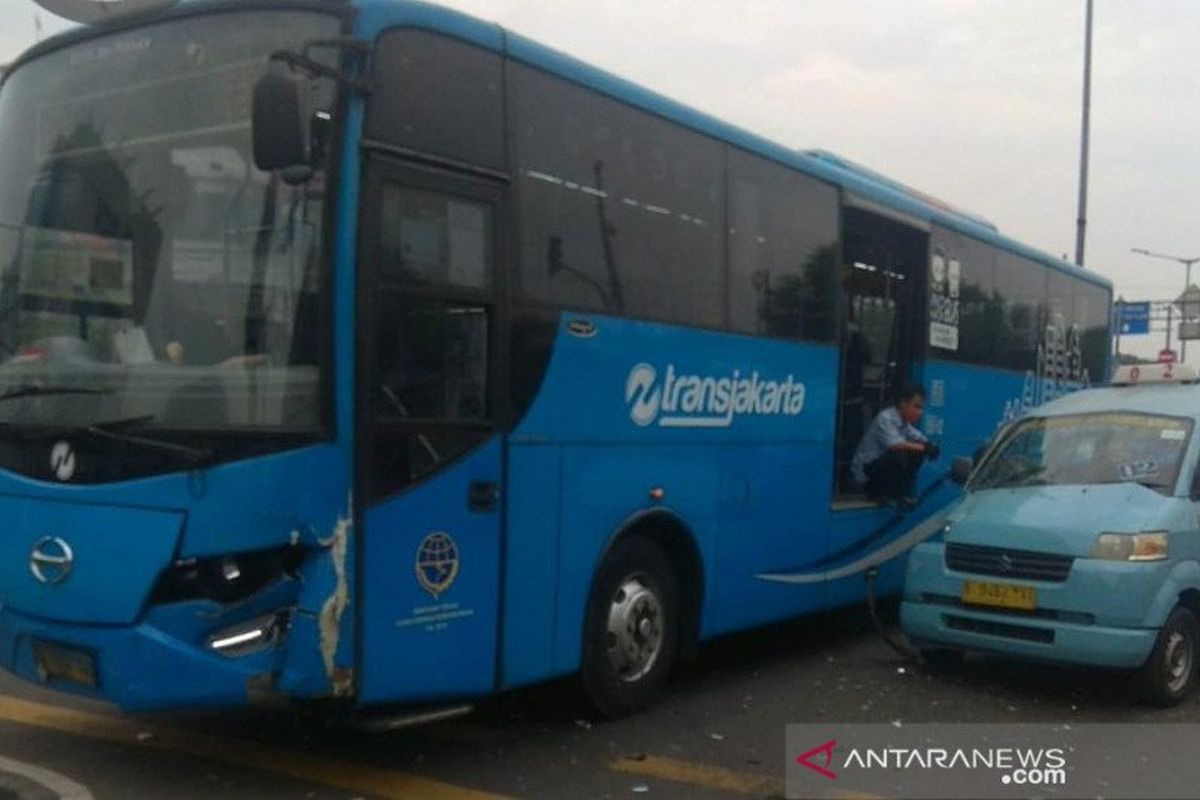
62, 461
51, 560
707, 401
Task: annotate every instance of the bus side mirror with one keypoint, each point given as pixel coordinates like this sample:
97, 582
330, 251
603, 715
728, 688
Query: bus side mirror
960, 470
281, 124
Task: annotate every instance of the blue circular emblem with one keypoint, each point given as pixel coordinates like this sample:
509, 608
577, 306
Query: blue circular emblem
437, 563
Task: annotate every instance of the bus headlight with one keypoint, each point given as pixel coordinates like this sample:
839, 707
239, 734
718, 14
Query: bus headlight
250, 637
1147, 546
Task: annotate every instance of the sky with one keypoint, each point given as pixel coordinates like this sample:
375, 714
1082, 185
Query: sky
977, 102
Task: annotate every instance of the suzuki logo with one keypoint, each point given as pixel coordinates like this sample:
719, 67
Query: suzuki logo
1005, 563
51, 560
62, 461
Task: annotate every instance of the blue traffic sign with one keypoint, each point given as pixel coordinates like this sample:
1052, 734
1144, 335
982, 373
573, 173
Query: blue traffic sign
1132, 319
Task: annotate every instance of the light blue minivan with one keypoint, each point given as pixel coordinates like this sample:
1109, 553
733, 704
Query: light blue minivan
1077, 539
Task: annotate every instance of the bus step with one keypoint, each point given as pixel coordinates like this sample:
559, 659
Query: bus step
383, 722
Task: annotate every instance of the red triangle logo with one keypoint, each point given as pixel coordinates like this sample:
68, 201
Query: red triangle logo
805, 759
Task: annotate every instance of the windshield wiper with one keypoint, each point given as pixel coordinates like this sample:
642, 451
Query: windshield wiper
1022, 477
1149, 484
110, 431
33, 390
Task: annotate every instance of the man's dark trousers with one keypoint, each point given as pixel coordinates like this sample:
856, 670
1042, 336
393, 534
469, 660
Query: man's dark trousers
893, 476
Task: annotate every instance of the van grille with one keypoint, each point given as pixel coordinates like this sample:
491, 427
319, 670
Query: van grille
998, 561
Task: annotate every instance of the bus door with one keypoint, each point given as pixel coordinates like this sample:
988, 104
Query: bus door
882, 264
430, 451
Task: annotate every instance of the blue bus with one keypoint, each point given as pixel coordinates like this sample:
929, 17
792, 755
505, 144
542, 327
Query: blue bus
368, 352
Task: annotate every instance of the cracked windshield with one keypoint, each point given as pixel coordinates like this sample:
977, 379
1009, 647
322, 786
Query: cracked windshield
147, 269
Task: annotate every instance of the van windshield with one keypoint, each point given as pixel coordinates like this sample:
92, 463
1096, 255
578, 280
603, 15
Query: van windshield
1089, 449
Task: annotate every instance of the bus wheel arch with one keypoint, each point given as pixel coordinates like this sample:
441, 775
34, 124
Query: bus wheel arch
650, 569
673, 536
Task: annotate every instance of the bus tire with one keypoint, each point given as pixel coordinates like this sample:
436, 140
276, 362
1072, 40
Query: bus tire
1170, 671
631, 630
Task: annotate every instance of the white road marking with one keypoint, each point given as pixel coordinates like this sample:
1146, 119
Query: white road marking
64, 787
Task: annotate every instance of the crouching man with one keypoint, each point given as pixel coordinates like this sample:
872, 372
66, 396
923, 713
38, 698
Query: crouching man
886, 462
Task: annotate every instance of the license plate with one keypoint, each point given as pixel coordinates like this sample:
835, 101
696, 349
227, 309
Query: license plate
1002, 595
58, 663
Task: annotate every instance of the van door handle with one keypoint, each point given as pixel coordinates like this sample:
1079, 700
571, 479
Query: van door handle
483, 496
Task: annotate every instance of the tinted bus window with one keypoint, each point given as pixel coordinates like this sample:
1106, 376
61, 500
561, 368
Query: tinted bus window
619, 211
969, 281
783, 236
434, 238
1092, 310
438, 96
1021, 291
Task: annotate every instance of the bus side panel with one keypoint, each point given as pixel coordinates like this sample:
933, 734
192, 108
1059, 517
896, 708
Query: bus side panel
856, 535
774, 516
602, 487
531, 563
966, 404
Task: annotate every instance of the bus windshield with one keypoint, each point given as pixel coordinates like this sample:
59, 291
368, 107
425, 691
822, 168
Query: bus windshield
1089, 449
147, 269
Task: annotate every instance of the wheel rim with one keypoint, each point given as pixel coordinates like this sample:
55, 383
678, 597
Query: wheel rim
634, 637
1178, 660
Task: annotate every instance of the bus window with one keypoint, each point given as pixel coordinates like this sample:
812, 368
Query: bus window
782, 251
979, 314
1021, 287
597, 181
431, 238
438, 96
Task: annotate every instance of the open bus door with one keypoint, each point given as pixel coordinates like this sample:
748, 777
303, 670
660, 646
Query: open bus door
431, 453
882, 279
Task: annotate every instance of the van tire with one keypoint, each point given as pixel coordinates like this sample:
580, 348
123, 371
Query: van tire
942, 659
1168, 674
635, 592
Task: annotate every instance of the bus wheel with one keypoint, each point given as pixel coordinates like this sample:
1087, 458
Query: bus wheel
1170, 670
631, 634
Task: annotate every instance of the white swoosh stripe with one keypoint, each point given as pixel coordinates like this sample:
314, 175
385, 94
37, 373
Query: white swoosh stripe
906, 542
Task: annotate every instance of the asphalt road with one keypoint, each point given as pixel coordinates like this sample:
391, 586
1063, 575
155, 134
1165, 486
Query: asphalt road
718, 732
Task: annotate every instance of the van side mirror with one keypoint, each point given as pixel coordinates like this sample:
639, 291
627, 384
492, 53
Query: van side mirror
280, 119
960, 470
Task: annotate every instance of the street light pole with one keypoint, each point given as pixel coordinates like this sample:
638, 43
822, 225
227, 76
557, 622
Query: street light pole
1081, 217
1187, 282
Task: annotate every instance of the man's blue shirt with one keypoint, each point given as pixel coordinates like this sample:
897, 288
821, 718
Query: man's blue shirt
887, 430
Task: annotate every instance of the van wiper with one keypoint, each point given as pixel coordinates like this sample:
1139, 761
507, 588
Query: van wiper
34, 390
1027, 476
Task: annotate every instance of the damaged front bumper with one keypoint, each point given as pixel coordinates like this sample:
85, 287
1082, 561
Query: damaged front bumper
185, 654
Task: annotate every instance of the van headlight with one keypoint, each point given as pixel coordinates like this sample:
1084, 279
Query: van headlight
1147, 546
